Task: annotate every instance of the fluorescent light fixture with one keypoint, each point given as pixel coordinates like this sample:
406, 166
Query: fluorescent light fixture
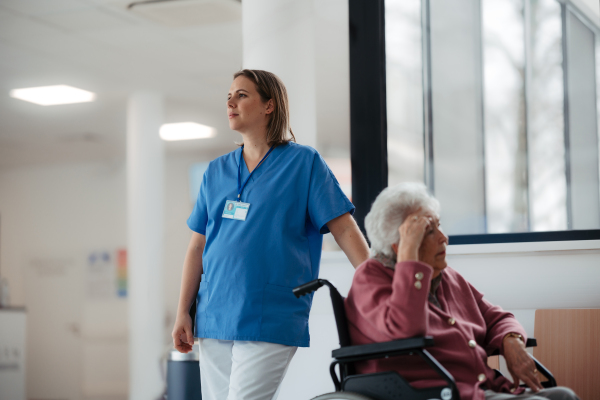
53, 95
186, 131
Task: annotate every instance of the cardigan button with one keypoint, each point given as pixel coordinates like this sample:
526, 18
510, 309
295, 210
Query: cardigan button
472, 344
418, 284
451, 321
419, 275
481, 377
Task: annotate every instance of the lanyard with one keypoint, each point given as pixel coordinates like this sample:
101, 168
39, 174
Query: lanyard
240, 185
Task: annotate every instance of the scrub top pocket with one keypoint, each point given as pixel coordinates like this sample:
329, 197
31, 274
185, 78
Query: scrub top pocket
284, 314
201, 301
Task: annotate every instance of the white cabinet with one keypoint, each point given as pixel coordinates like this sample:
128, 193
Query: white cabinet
12, 353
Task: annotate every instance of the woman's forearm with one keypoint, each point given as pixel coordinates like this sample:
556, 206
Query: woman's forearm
350, 239
354, 246
192, 272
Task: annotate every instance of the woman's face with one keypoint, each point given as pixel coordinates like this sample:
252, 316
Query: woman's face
245, 109
433, 246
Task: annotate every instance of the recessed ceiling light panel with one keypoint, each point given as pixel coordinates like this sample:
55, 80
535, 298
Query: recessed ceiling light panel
186, 131
53, 95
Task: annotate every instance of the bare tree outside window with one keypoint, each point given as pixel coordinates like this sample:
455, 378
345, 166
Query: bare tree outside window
504, 112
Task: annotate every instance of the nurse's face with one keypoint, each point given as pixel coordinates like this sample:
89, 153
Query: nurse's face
246, 111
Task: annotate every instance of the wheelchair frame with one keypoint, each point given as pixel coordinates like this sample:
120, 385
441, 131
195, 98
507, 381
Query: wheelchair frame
387, 385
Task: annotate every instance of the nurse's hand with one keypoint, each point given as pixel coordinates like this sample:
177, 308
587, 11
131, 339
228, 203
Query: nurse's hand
183, 337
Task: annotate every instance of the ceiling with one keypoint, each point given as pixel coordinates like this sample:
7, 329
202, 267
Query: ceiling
589, 7
186, 49
104, 47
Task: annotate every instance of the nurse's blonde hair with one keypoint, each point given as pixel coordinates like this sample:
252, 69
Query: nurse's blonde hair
270, 87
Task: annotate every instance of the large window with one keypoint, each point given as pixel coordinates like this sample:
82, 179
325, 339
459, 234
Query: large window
404, 95
494, 105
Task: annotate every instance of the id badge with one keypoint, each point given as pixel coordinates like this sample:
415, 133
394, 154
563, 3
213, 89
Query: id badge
235, 210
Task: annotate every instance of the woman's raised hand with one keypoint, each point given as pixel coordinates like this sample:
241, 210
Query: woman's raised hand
183, 338
412, 232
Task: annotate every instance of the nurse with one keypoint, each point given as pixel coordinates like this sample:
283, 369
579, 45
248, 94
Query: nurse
257, 233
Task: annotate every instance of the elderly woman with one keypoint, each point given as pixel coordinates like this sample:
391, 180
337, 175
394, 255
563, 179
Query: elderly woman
406, 289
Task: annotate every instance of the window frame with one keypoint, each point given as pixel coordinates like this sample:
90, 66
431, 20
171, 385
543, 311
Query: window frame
368, 119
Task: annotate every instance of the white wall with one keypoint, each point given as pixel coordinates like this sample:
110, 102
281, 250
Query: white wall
77, 345
57, 209
52, 217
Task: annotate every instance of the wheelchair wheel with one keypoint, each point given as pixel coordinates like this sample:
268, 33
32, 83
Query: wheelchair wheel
341, 396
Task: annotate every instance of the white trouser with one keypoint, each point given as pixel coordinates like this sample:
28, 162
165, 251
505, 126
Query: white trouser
242, 370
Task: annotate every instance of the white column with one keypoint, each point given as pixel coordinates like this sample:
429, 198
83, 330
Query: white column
145, 166
279, 37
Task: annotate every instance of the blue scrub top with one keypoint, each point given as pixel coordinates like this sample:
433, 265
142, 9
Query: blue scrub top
251, 266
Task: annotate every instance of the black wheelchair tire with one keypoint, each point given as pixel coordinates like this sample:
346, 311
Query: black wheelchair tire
341, 396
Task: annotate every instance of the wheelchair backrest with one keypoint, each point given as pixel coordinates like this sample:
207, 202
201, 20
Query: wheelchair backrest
337, 301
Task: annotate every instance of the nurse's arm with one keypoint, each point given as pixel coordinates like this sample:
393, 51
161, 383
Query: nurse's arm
183, 337
350, 239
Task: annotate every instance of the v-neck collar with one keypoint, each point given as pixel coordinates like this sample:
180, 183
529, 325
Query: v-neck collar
265, 164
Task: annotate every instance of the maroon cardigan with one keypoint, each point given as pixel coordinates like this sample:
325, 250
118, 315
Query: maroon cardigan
385, 304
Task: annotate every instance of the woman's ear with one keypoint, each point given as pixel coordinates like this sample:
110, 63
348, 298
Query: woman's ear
395, 248
270, 107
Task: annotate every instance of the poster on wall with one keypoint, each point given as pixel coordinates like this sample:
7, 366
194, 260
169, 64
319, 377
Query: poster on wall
99, 277
122, 273
106, 274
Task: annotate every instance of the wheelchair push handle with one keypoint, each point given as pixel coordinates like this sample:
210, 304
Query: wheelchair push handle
307, 288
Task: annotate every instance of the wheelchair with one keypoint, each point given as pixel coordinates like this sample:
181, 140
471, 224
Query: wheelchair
385, 385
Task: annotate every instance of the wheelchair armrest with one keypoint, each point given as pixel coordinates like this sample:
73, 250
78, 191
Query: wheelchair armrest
531, 342
551, 382
350, 354
376, 350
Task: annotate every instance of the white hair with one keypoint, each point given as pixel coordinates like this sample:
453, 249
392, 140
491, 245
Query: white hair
389, 211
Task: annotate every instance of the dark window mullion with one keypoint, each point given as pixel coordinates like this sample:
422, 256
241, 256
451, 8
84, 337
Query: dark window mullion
368, 125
